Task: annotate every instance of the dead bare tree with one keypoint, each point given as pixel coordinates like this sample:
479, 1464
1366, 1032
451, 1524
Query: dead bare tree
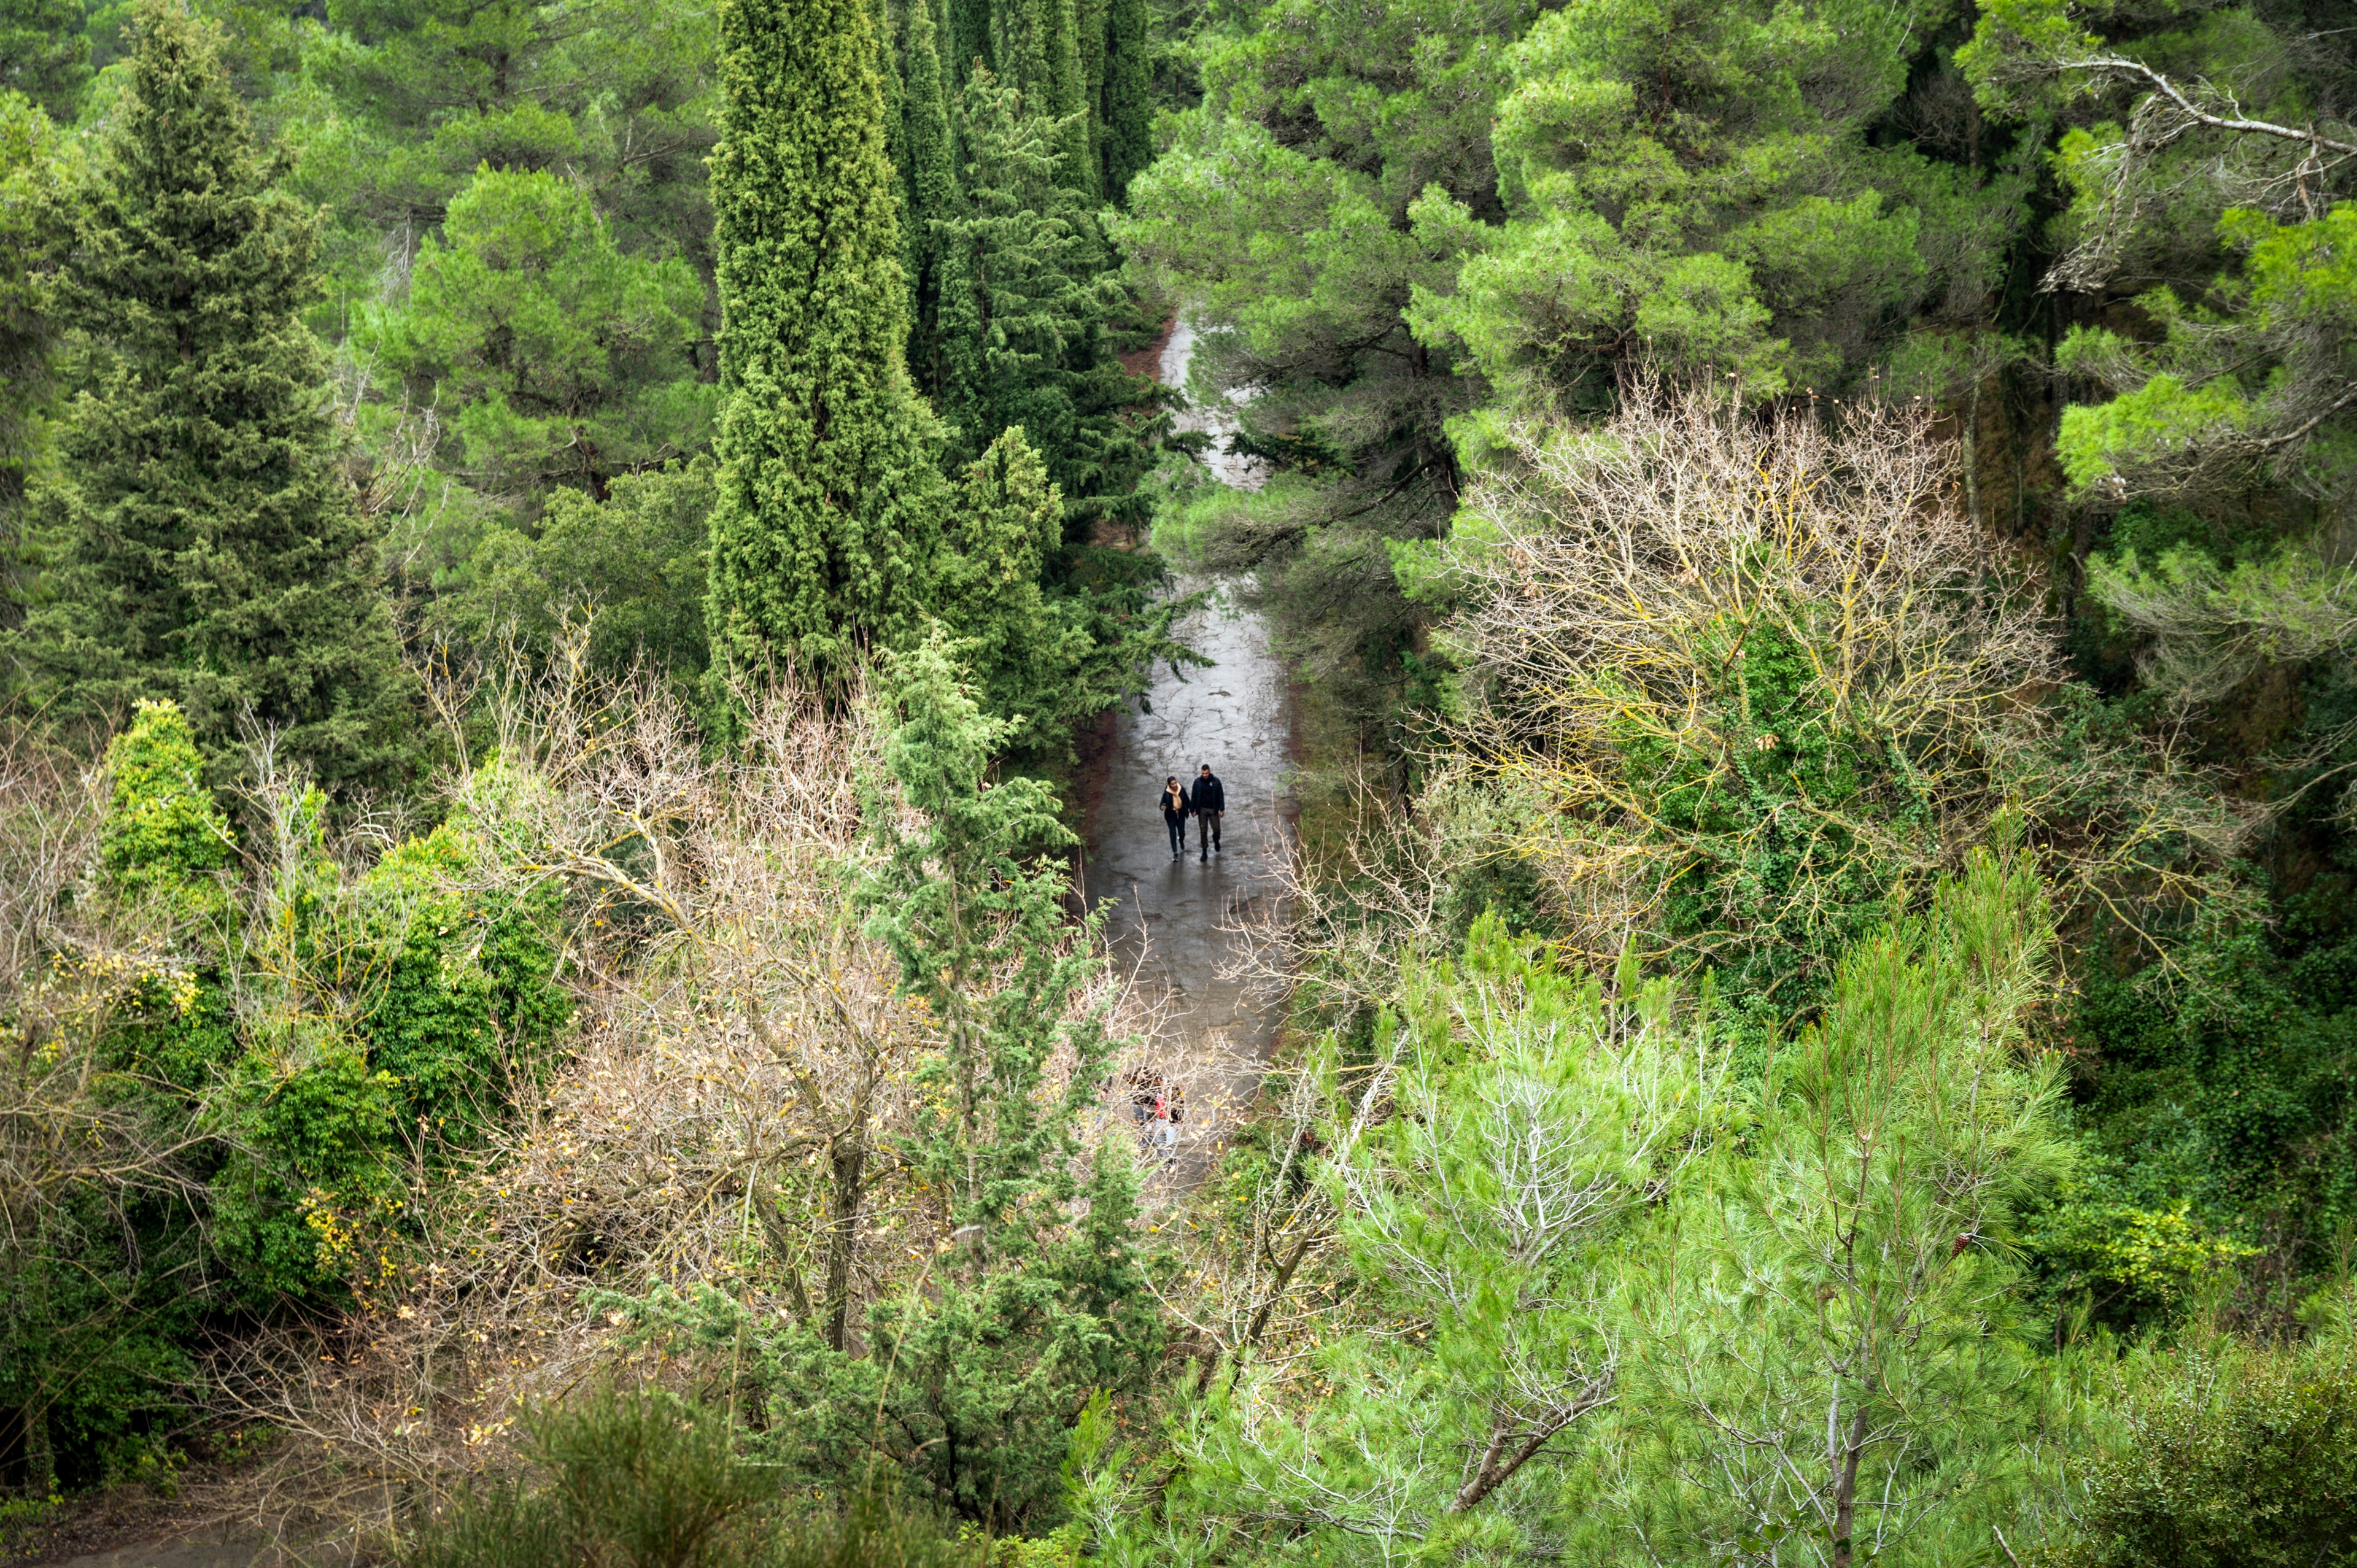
1613, 582
721, 1115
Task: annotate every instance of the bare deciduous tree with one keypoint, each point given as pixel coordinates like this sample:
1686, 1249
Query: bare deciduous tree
1615, 581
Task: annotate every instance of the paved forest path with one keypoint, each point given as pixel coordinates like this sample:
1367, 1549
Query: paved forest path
1170, 920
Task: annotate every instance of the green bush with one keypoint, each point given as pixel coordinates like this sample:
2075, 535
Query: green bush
466, 990
2248, 1463
162, 831
300, 1039
647, 1481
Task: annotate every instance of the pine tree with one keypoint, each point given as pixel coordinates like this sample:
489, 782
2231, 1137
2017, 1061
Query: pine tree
45, 53
827, 517
203, 546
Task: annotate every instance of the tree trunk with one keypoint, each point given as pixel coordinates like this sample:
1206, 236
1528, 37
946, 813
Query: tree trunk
1845, 1487
1972, 455
848, 1160
1267, 1310
40, 1459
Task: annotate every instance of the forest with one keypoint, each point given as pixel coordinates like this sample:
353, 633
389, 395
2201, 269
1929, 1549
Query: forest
566, 567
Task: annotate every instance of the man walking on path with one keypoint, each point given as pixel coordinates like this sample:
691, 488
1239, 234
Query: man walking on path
1209, 799
1174, 807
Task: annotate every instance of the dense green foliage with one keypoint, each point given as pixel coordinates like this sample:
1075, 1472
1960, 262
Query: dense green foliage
276, 1046
1695, 187
398, 106
1651, 1310
568, 361
1282, 209
1425, 245
26, 334
1815, 541
2231, 1462
44, 55
204, 546
833, 529
828, 514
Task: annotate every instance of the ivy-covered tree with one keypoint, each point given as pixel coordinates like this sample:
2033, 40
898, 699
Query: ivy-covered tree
827, 517
200, 540
249, 1054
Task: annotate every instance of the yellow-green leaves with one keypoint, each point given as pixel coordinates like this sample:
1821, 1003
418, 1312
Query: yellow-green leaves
163, 832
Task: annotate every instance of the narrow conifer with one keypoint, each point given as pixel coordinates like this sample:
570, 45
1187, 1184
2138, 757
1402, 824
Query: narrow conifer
932, 185
1066, 97
201, 544
1090, 17
892, 75
972, 39
827, 520
1127, 138
1020, 45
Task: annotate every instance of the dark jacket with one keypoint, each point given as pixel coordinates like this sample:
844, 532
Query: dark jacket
1186, 804
1210, 794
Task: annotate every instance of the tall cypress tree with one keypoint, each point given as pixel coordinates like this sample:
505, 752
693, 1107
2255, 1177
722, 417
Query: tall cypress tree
892, 74
827, 518
1092, 19
972, 37
28, 225
1066, 100
1127, 138
1020, 47
932, 183
202, 544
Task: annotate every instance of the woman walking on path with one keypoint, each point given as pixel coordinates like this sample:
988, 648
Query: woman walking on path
1174, 807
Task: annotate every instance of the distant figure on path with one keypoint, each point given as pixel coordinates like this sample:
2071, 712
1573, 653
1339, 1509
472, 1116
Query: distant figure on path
1210, 797
1174, 807
1144, 1088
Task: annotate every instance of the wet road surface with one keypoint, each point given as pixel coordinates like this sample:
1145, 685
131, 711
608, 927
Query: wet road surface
1170, 920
